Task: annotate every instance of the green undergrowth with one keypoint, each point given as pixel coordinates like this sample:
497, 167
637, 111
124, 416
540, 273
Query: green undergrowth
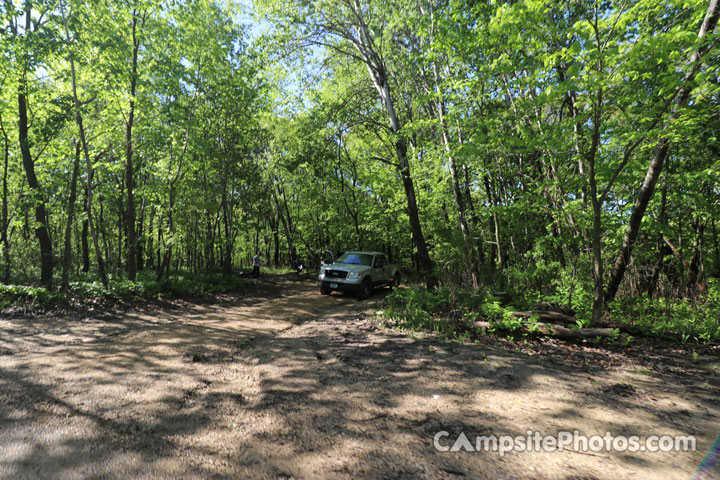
146, 287
453, 311
448, 311
690, 320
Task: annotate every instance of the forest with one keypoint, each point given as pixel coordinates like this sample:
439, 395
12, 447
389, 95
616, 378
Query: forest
565, 152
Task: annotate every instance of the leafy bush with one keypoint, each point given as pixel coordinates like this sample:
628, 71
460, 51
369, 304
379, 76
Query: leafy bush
11, 294
413, 308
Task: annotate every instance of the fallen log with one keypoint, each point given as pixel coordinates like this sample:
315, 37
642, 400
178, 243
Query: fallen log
548, 316
560, 331
504, 297
553, 307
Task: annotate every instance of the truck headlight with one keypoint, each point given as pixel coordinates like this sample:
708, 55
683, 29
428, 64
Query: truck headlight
353, 275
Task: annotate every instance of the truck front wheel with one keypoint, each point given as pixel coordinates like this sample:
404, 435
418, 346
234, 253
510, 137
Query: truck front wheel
365, 289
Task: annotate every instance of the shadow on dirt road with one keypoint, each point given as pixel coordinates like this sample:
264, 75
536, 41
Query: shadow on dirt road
300, 385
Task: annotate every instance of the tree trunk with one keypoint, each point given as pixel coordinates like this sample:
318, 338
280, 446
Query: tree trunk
440, 109
425, 265
84, 243
227, 245
67, 252
596, 202
129, 169
89, 175
121, 225
171, 232
41, 229
458, 195
5, 219
633, 227
140, 237
287, 226
276, 240
455, 177
658, 160
494, 201
474, 221
597, 307
662, 248
150, 238
695, 282
379, 76
716, 246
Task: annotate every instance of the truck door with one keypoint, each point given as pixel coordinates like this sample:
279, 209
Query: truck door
380, 269
327, 258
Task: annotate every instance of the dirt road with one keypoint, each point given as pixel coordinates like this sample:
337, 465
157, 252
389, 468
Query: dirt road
305, 386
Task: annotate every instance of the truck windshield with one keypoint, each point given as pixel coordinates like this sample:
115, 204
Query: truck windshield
355, 259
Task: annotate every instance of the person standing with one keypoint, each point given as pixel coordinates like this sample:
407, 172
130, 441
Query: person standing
257, 262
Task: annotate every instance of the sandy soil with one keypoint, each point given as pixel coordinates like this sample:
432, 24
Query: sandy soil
298, 385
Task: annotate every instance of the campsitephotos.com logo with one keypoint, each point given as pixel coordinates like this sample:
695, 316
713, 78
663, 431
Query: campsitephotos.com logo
564, 440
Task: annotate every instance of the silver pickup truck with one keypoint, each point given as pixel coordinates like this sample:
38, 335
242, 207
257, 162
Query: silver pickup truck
357, 272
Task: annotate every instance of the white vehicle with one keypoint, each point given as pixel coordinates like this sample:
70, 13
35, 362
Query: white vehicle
357, 272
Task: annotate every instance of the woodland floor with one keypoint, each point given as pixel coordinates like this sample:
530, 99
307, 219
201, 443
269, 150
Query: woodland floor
293, 384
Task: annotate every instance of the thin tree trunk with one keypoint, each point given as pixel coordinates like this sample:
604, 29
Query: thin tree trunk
67, 253
662, 248
140, 237
84, 243
151, 237
597, 306
276, 240
716, 245
695, 282
379, 76
88, 163
227, 245
474, 221
171, 231
658, 160
287, 226
440, 109
4, 226
129, 168
352, 212
457, 192
88, 205
492, 198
